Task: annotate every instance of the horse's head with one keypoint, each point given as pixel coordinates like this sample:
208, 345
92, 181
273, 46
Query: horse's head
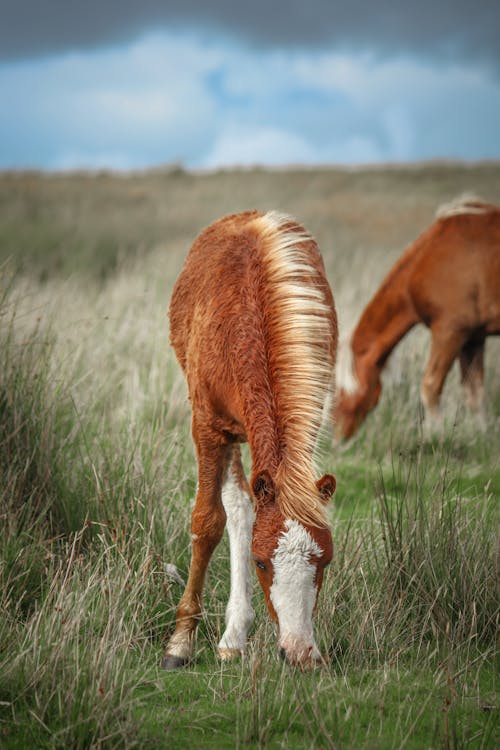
290, 559
352, 407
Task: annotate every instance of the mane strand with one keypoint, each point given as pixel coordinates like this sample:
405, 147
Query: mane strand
299, 331
468, 203
346, 375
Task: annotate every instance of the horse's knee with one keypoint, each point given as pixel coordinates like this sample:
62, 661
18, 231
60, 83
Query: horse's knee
207, 527
429, 394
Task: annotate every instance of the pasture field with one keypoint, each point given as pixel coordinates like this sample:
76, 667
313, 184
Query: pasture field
97, 477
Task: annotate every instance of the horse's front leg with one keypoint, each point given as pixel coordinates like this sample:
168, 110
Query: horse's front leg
240, 516
445, 347
207, 527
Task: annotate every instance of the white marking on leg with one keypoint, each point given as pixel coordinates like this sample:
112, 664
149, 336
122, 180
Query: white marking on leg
293, 592
239, 612
181, 644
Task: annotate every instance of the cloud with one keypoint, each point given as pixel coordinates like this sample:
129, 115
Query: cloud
347, 108
274, 147
137, 106
444, 29
207, 103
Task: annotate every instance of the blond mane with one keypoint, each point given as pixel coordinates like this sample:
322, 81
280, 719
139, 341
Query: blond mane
468, 203
347, 379
300, 333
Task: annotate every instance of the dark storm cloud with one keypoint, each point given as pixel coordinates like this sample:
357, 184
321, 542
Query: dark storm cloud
449, 29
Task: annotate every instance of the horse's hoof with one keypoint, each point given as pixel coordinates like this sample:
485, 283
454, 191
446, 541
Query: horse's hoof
227, 654
171, 662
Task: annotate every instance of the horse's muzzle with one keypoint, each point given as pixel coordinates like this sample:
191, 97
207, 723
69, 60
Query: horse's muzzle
299, 654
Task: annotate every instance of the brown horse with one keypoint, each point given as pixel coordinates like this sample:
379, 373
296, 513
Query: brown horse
254, 328
448, 279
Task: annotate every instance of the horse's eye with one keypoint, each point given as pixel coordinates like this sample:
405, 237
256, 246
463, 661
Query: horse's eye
260, 564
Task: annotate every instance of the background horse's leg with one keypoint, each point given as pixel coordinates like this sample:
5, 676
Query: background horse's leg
240, 516
445, 347
472, 373
207, 527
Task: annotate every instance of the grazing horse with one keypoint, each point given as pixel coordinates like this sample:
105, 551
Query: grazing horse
448, 279
253, 325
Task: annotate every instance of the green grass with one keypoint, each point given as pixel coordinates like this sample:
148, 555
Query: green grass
97, 476
396, 707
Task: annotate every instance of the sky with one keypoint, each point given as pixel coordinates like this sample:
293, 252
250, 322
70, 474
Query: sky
122, 84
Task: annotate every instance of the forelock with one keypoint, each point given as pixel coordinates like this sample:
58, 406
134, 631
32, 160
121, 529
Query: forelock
296, 543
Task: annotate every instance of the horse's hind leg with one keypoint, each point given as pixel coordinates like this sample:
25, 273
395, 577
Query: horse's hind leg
472, 374
207, 527
445, 347
239, 512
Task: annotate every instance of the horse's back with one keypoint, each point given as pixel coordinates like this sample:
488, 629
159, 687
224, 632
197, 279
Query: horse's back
227, 313
208, 282
456, 273
219, 271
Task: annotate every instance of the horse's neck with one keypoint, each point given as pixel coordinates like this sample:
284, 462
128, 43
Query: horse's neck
257, 398
275, 431
272, 447
264, 446
384, 322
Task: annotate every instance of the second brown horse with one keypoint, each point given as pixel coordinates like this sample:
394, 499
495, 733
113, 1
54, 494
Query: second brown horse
449, 280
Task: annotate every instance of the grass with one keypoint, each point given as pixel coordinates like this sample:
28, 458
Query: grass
97, 475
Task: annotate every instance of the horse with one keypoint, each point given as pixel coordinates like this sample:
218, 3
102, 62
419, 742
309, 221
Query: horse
254, 328
449, 280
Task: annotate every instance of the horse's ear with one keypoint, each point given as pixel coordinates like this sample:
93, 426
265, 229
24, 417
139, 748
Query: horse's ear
326, 486
263, 487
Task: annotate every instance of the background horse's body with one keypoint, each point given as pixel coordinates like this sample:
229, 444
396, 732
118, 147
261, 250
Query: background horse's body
448, 279
254, 329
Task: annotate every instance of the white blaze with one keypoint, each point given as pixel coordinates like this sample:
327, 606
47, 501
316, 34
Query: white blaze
293, 592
